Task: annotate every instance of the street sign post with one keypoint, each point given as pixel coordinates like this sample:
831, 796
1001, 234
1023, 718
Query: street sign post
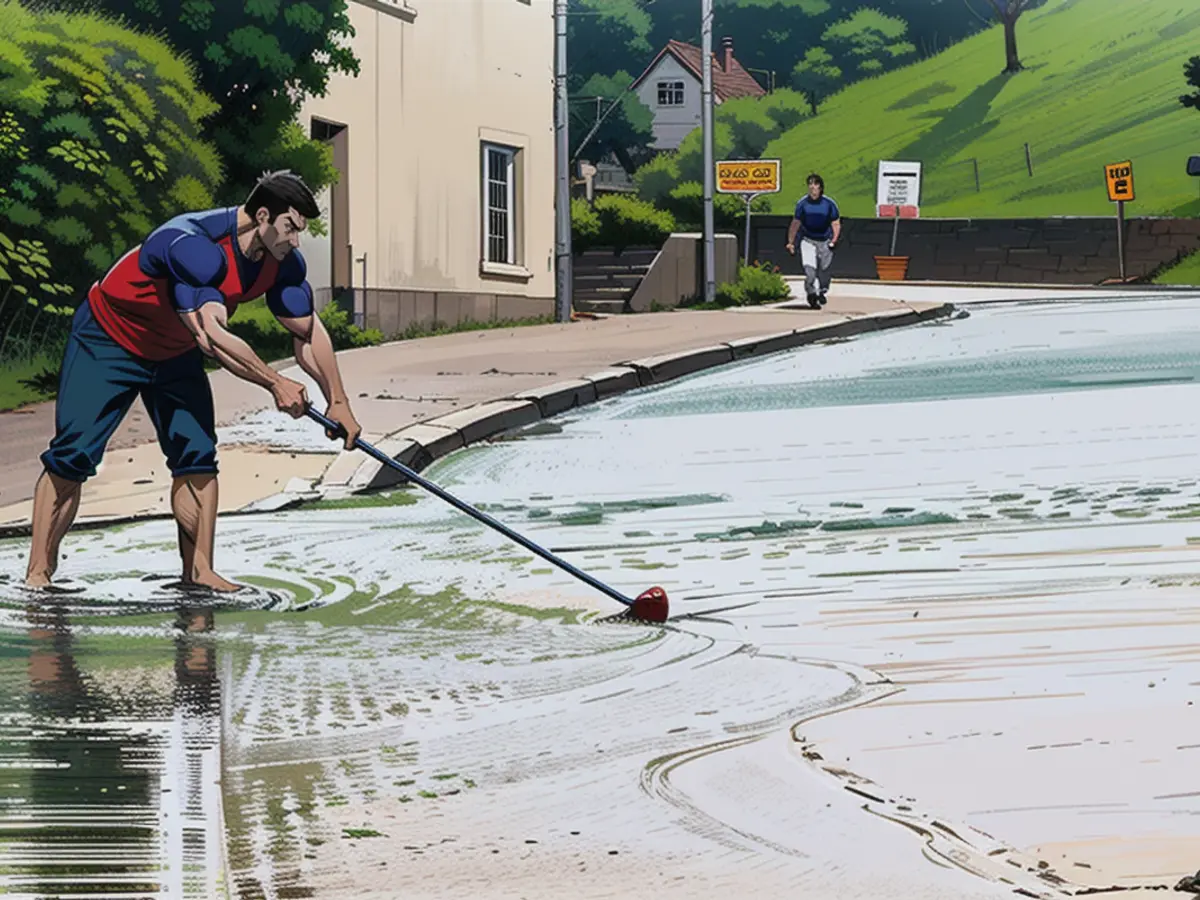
750, 178
898, 189
1119, 178
898, 193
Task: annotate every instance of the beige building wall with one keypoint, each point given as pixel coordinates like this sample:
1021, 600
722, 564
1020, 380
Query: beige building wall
438, 79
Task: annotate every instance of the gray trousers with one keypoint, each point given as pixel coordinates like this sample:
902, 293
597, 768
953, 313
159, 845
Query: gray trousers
816, 257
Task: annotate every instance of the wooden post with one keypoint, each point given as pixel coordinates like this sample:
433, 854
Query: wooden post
1121, 236
895, 229
1028, 159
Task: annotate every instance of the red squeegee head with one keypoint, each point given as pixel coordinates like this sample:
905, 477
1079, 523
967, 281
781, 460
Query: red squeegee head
651, 605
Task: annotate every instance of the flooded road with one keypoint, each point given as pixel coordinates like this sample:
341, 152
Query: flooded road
973, 540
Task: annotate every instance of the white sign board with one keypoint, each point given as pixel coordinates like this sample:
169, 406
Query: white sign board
899, 184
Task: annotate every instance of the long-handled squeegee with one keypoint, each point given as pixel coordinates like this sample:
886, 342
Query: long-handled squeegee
651, 605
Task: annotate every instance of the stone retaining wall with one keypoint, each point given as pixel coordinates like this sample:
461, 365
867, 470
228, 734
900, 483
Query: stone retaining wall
1056, 251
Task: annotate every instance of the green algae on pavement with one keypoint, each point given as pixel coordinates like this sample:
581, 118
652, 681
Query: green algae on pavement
371, 500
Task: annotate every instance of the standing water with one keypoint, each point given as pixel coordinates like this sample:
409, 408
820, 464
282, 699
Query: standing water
973, 540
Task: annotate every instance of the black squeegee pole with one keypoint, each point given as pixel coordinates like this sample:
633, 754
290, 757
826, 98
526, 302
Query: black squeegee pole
465, 507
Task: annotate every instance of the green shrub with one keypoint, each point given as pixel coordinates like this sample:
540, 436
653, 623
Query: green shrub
98, 145
254, 324
743, 127
755, 284
756, 121
261, 59
656, 179
630, 222
344, 334
585, 225
686, 203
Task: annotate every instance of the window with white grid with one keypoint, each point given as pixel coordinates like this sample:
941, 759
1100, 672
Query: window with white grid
670, 93
499, 213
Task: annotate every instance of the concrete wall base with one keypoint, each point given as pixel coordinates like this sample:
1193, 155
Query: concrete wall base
394, 311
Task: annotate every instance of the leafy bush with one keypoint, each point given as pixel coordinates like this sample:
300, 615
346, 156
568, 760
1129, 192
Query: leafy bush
261, 59
686, 202
759, 283
742, 128
254, 324
754, 122
585, 225
630, 222
98, 145
656, 179
344, 334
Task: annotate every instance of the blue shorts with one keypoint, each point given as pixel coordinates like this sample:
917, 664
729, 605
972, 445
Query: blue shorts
100, 380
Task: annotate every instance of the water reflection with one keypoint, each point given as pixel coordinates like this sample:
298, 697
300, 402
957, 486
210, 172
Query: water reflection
110, 746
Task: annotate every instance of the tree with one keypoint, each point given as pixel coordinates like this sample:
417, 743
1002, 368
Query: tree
625, 132
1191, 71
605, 37
816, 76
259, 59
870, 41
99, 143
756, 121
1007, 12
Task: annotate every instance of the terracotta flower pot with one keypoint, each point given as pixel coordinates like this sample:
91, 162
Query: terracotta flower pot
891, 268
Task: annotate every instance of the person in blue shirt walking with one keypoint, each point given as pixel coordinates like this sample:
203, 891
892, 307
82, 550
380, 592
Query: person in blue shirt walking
819, 222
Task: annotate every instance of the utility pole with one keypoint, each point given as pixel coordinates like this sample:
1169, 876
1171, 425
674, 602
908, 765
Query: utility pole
562, 161
710, 258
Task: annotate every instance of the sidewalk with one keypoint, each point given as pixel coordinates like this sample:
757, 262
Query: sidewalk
267, 458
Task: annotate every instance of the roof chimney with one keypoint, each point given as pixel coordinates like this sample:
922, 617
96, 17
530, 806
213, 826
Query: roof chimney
726, 53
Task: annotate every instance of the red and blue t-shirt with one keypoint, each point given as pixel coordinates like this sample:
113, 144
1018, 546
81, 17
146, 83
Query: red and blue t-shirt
191, 260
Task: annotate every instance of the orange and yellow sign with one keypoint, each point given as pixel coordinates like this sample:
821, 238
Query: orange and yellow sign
748, 176
1120, 180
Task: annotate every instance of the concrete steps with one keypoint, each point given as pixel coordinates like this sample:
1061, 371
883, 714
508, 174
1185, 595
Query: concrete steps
603, 280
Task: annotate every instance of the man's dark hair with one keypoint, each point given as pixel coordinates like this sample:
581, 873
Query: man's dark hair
814, 178
279, 192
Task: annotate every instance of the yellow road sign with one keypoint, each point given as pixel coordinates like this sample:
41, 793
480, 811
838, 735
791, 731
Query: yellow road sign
748, 176
1120, 180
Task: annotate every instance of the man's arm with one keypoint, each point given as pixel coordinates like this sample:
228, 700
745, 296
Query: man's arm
208, 324
792, 229
837, 224
291, 302
194, 266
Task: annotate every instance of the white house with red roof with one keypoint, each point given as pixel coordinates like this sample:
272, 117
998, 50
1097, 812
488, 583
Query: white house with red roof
672, 87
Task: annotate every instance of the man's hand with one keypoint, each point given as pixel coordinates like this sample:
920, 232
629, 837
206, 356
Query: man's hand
832, 243
791, 248
290, 397
339, 412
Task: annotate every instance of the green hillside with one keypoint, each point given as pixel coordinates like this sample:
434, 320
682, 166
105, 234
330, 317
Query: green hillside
1102, 85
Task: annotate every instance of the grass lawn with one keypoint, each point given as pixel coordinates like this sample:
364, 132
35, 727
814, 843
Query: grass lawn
1186, 271
1102, 85
12, 392
253, 322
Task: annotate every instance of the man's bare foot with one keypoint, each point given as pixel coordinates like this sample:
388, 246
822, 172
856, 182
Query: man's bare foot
212, 581
37, 579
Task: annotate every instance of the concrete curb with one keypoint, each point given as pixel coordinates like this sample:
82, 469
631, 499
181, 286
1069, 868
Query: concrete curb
419, 445
417, 449
1139, 286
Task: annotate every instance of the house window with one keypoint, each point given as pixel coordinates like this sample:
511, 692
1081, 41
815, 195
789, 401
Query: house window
499, 212
670, 93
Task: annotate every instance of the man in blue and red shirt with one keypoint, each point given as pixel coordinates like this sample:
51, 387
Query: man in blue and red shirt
144, 330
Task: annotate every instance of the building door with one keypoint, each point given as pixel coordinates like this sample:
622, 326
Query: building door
336, 265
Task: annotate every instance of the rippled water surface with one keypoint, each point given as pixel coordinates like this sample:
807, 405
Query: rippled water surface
877, 503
